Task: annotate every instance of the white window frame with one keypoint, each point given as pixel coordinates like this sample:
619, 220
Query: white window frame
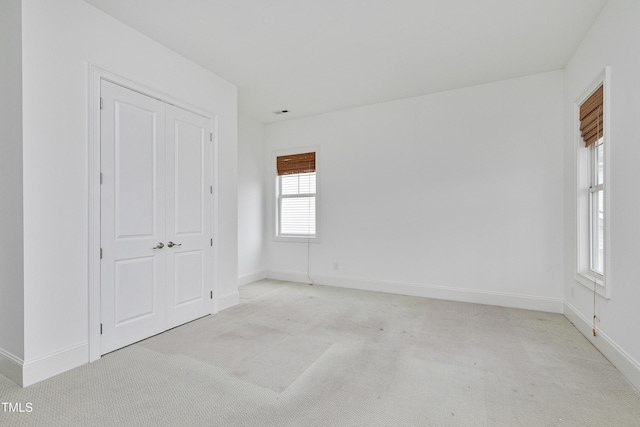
277, 236
595, 208
585, 175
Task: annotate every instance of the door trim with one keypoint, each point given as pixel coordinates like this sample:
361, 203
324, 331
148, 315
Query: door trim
96, 75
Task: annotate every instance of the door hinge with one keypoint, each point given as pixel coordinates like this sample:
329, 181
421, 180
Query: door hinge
211, 189
101, 177
211, 242
211, 295
100, 253
101, 105
100, 328
211, 137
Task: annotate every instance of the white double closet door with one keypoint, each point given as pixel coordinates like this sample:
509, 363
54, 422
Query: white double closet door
155, 216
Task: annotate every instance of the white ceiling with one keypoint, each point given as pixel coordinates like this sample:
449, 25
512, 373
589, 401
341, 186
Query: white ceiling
315, 56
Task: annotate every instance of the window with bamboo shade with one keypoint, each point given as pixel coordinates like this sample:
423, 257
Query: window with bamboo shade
592, 169
592, 195
296, 193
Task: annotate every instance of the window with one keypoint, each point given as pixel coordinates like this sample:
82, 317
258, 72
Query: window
596, 207
296, 193
592, 189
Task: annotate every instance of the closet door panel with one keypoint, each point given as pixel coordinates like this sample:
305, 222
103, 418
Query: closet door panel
133, 221
189, 259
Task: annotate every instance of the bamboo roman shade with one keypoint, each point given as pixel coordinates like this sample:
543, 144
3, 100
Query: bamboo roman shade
591, 117
296, 163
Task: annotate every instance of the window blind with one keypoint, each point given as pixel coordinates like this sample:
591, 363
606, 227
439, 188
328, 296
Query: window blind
298, 204
298, 216
591, 117
296, 163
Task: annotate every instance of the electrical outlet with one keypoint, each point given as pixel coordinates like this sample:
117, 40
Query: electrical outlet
335, 265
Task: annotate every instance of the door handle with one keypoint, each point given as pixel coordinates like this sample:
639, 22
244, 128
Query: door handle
159, 246
171, 244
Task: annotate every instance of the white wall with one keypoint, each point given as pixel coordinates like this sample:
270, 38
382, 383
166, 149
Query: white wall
11, 227
613, 40
251, 204
454, 195
60, 40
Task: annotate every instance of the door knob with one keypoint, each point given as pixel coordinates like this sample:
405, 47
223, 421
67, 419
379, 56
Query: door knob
159, 246
171, 244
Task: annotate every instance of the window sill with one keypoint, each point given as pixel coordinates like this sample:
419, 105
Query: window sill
587, 281
300, 239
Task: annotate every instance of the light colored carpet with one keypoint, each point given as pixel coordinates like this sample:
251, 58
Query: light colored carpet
299, 355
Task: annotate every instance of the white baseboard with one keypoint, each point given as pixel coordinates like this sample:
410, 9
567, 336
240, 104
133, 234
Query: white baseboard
228, 301
11, 366
629, 367
245, 279
528, 302
44, 367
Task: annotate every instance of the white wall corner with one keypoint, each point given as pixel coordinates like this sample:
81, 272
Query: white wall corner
11, 367
245, 279
627, 366
527, 302
55, 363
228, 300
